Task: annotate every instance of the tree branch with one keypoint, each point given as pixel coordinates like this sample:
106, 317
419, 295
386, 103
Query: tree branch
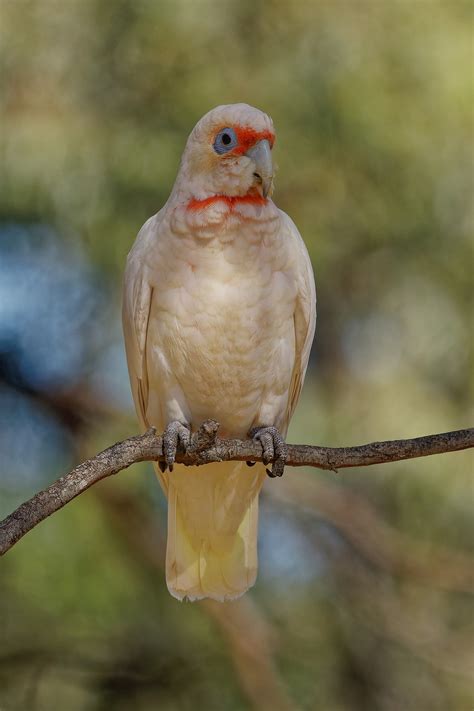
206, 447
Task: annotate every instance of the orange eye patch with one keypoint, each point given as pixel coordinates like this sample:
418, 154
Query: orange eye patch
248, 137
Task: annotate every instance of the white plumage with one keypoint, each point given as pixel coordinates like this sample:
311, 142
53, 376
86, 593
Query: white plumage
219, 315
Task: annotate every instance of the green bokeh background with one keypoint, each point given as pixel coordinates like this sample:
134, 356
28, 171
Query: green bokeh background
372, 101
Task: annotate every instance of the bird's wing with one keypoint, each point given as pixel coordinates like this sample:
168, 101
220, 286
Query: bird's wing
137, 298
304, 316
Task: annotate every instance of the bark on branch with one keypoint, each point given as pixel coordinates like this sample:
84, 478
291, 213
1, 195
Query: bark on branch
206, 447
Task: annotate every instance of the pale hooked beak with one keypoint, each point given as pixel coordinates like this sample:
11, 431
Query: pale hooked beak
261, 155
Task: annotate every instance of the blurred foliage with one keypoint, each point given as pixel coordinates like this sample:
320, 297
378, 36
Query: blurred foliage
362, 601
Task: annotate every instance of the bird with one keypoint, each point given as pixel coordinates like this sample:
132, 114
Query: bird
219, 313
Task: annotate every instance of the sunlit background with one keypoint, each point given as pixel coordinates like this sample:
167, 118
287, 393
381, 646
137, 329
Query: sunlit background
362, 600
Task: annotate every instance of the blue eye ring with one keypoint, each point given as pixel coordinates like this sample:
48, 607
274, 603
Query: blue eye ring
225, 141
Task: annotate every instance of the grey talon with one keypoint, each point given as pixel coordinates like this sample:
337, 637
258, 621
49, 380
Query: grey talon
176, 434
250, 464
273, 448
163, 466
278, 467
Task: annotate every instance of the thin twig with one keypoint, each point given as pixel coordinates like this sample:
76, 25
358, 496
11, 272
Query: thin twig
149, 447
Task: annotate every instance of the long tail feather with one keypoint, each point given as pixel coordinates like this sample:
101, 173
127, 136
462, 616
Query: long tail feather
212, 530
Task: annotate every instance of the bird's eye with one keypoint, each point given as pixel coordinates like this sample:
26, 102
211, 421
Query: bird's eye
225, 141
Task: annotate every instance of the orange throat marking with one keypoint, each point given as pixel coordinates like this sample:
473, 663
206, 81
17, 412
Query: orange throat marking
230, 200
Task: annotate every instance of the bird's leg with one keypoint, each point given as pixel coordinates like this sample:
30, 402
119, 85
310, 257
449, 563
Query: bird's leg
175, 434
274, 448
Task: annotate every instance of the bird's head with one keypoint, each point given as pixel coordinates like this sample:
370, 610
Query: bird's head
229, 153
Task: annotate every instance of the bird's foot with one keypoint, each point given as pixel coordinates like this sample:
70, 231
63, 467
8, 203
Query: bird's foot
175, 435
274, 448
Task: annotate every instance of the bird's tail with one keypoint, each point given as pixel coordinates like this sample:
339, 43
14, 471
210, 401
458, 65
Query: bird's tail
212, 529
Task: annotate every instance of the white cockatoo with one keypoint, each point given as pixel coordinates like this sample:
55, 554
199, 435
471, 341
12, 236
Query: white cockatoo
219, 313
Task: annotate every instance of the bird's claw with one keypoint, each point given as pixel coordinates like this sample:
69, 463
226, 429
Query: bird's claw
274, 448
175, 435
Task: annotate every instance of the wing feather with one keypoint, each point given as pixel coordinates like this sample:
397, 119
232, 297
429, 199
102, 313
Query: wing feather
137, 299
304, 317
